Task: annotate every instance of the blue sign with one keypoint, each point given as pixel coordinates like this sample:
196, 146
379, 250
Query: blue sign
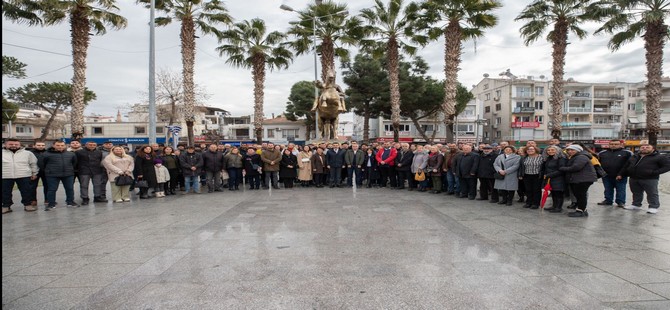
119, 141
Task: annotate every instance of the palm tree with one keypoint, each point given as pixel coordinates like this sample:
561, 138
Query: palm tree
386, 30
83, 16
249, 46
457, 21
194, 15
566, 17
22, 11
629, 19
333, 26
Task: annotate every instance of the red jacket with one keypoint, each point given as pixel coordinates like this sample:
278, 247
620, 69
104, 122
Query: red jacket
390, 160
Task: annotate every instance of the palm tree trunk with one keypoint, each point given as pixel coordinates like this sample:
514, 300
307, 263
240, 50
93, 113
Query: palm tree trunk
187, 36
259, 79
79, 28
366, 123
653, 45
327, 57
452, 59
419, 128
392, 58
560, 43
53, 113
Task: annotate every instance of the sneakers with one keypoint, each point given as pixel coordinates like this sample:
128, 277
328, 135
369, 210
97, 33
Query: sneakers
604, 203
118, 200
126, 200
652, 210
72, 205
620, 205
99, 199
578, 213
84, 201
30, 208
6, 210
632, 207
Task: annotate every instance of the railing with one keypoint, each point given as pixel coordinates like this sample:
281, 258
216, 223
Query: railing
606, 124
524, 110
576, 124
608, 96
607, 110
578, 110
579, 95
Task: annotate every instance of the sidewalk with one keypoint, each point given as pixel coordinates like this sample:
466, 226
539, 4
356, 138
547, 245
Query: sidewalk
334, 248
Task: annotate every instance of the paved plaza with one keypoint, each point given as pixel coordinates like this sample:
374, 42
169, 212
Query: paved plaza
334, 249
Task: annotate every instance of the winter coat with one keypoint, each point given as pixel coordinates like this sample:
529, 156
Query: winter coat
404, 160
349, 156
318, 163
449, 160
22, 164
39, 155
466, 165
145, 167
613, 161
188, 160
117, 166
269, 156
58, 164
551, 172
305, 166
252, 163
511, 164
171, 161
212, 161
89, 162
233, 161
485, 170
390, 159
647, 167
579, 169
434, 163
335, 159
284, 170
162, 174
371, 172
419, 161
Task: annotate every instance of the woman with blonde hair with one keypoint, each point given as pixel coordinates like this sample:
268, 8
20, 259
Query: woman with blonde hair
118, 163
305, 166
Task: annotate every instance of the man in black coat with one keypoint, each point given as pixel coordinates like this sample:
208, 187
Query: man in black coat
403, 165
39, 149
613, 160
485, 172
335, 163
466, 170
644, 168
59, 166
89, 164
212, 160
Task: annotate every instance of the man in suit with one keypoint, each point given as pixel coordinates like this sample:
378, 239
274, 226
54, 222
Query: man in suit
354, 159
386, 159
335, 162
466, 165
404, 163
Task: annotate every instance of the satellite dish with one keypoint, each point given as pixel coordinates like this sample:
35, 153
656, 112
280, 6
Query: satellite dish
486, 75
542, 77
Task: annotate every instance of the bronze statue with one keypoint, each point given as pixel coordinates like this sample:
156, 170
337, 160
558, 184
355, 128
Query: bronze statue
331, 105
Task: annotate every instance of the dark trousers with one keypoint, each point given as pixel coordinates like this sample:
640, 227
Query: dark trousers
318, 179
234, 177
335, 176
254, 181
387, 173
357, 172
35, 183
96, 179
557, 198
411, 182
506, 196
174, 180
580, 190
402, 176
469, 187
288, 182
68, 184
611, 184
533, 189
24, 187
521, 189
641, 186
486, 187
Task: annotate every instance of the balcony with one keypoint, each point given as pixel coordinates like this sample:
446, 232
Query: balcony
606, 124
524, 110
608, 96
586, 110
525, 124
576, 124
611, 110
578, 95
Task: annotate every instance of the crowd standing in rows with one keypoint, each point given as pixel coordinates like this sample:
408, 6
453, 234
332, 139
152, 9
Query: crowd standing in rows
501, 170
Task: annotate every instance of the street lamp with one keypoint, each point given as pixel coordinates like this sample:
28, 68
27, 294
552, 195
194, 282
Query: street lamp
479, 122
316, 78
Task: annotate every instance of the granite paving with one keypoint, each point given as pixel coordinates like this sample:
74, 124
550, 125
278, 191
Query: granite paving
342, 248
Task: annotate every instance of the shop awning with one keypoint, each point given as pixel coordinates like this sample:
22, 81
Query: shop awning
633, 120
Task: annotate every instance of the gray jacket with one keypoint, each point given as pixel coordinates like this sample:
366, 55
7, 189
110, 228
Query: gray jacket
419, 161
579, 169
511, 165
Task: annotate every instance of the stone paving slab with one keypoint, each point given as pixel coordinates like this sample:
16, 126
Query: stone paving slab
334, 248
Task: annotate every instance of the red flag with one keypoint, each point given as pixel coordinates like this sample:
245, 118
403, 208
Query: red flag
546, 190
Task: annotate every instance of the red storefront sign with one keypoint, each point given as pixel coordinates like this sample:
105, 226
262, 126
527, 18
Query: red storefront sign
525, 124
391, 140
602, 142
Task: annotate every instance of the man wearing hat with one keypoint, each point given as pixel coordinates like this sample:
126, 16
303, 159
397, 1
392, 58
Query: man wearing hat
485, 173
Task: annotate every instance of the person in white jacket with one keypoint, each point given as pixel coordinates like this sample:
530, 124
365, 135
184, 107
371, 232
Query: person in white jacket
162, 177
19, 167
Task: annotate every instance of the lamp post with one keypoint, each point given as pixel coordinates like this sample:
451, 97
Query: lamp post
479, 122
152, 74
316, 74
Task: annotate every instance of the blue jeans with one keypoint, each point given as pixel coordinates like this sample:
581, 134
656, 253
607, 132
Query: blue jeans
68, 184
453, 185
234, 177
354, 171
195, 179
24, 187
611, 183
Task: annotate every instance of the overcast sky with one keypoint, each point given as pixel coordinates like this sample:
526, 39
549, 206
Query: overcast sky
118, 61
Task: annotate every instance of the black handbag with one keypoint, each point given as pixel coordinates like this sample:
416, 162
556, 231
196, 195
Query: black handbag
123, 180
142, 184
497, 175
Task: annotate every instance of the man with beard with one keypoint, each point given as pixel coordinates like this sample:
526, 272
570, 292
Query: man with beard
19, 167
89, 160
485, 173
59, 167
39, 149
612, 161
644, 168
403, 165
386, 159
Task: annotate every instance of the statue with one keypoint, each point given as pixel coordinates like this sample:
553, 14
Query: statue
329, 104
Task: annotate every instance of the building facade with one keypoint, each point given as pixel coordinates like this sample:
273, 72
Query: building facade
31, 121
278, 130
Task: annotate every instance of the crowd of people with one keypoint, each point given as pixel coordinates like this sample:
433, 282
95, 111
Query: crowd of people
499, 173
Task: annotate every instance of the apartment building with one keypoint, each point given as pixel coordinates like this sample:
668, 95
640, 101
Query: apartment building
278, 130
636, 106
30, 122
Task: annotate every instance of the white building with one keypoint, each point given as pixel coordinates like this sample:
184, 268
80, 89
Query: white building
278, 130
31, 120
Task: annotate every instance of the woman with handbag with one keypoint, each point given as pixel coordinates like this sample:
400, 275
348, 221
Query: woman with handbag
555, 177
119, 168
145, 171
419, 163
434, 168
507, 182
305, 166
